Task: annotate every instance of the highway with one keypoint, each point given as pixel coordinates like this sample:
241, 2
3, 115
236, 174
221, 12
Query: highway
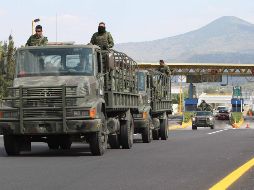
187, 160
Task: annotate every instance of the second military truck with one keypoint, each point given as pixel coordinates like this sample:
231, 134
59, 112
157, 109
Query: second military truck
151, 121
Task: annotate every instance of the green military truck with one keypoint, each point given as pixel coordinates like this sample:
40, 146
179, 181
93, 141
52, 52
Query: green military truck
69, 93
151, 121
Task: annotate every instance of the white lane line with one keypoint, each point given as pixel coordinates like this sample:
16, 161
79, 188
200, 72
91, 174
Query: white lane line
217, 131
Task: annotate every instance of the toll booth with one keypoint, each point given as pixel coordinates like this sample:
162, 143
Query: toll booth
237, 104
190, 103
237, 100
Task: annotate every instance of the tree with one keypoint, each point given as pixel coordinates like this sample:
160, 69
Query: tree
7, 66
10, 60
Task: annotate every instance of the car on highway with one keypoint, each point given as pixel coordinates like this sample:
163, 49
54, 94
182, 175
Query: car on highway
203, 119
219, 108
223, 114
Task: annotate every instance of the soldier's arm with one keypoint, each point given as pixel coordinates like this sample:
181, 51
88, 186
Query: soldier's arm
110, 40
92, 41
167, 71
45, 41
28, 43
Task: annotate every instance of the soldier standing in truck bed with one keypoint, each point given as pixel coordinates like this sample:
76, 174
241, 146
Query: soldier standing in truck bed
163, 68
102, 38
37, 39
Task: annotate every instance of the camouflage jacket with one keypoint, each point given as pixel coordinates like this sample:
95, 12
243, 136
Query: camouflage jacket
164, 69
104, 40
34, 40
205, 107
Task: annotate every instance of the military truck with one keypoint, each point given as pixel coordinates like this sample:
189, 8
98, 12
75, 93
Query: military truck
151, 121
69, 93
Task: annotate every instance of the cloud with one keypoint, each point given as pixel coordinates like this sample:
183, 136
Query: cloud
3, 12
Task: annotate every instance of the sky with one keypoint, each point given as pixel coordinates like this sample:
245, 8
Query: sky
126, 20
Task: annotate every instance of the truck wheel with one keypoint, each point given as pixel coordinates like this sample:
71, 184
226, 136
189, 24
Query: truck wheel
156, 134
11, 145
65, 142
146, 135
164, 129
53, 143
194, 127
113, 141
126, 133
99, 140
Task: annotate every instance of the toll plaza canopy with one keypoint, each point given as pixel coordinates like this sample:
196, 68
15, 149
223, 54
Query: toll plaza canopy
232, 69
205, 72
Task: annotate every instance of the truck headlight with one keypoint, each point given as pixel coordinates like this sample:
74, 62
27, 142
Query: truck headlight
193, 119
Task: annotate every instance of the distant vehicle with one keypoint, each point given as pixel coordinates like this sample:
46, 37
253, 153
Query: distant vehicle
223, 114
221, 108
203, 119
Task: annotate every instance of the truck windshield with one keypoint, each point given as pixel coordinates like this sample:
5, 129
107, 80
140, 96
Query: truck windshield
141, 81
54, 61
203, 113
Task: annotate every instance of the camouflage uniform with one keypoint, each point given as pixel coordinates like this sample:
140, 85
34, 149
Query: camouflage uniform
104, 40
164, 69
35, 40
205, 107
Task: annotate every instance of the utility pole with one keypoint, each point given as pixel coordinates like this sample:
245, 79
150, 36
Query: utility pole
34, 21
180, 96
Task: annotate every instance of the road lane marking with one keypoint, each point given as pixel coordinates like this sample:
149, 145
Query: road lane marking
233, 177
217, 131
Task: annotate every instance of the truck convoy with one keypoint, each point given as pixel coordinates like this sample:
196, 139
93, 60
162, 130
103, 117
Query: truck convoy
68, 93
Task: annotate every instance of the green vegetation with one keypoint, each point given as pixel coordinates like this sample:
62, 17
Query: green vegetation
236, 117
176, 97
7, 65
187, 116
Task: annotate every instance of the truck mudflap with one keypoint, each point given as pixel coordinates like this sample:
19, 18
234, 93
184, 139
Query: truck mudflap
52, 107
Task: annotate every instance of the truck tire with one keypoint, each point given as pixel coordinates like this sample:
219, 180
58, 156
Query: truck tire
146, 135
194, 127
164, 129
53, 143
11, 145
126, 133
65, 142
99, 140
113, 141
156, 135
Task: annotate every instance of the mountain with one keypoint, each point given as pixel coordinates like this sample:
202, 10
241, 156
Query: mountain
227, 39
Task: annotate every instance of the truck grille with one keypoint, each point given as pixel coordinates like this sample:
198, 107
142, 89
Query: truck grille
51, 98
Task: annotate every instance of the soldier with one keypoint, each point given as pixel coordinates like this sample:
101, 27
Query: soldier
205, 106
164, 68
102, 38
37, 39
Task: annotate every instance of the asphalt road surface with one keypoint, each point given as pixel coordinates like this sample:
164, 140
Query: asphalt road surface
187, 160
